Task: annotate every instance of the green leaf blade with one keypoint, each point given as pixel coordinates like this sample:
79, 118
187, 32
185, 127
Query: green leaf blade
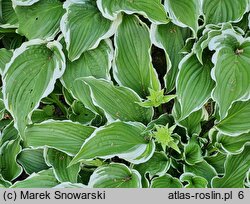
121, 139
30, 76
216, 11
236, 168
40, 20
115, 175
62, 135
194, 85
117, 102
81, 30
151, 9
132, 66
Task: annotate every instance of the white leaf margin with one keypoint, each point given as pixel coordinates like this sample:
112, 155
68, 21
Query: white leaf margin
131, 155
215, 45
152, 71
110, 58
49, 146
23, 2
46, 159
180, 66
116, 14
66, 31
58, 72
108, 116
95, 175
175, 20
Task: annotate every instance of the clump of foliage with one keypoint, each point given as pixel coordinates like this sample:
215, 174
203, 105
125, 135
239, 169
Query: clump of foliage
125, 93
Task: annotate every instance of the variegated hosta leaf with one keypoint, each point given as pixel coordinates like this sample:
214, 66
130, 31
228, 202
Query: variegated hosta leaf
219, 11
5, 56
95, 63
151, 9
192, 152
157, 165
166, 181
2, 109
24, 2
184, 13
193, 180
194, 84
172, 39
237, 121
42, 179
208, 34
9, 168
117, 102
217, 161
83, 27
236, 168
4, 183
8, 133
32, 160
40, 20
70, 185
29, 77
65, 136
79, 113
59, 162
122, 139
192, 123
132, 66
231, 72
233, 145
8, 17
115, 175
202, 169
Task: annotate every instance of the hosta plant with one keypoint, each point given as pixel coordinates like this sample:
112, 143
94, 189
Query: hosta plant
125, 93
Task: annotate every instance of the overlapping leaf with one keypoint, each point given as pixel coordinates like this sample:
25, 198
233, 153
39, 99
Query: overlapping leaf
8, 17
60, 161
30, 76
5, 56
202, 169
156, 165
184, 13
192, 151
236, 168
115, 176
117, 102
39, 20
83, 27
171, 38
194, 84
231, 71
230, 125
95, 63
121, 139
217, 161
151, 9
32, 160
219, 11
193, 181
65, 136
132, 66
234, 145
208, 34
192, 123
9, 133
166, 181
24, 2
42, 179
9, 168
